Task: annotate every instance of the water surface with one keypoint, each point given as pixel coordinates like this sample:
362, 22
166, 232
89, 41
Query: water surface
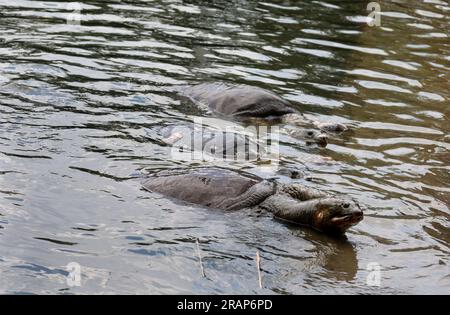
78, 104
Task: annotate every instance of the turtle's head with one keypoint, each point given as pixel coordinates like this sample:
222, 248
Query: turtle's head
336, 215
312, 136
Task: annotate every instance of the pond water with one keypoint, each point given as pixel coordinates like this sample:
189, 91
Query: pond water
83, 85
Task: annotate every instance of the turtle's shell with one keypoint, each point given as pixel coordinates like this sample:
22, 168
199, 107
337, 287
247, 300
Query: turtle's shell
238, 100
209, 187
214, 143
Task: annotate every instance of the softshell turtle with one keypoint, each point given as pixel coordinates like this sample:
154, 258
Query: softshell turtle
227, 144
246, 103
215, 143
231, 190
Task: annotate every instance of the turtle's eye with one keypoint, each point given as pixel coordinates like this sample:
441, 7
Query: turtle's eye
346, 205
310, 133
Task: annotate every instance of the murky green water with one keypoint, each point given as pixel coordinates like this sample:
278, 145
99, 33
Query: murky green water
77, 104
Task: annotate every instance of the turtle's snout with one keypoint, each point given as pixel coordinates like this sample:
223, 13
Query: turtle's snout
357, 215
345, 215
322, 140
351, 208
